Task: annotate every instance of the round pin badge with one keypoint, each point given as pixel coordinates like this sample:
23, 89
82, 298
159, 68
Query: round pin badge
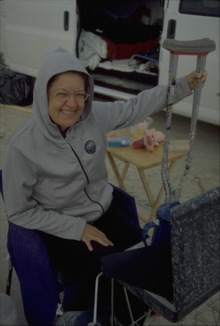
90, 147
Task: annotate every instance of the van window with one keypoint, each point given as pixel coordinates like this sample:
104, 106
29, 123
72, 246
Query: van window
200, 7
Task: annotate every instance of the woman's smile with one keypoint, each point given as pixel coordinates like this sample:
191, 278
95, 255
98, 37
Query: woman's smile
68, 112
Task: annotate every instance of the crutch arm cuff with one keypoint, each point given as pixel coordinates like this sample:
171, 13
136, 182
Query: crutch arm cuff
196, 47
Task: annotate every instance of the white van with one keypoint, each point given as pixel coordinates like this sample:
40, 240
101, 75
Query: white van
119, 41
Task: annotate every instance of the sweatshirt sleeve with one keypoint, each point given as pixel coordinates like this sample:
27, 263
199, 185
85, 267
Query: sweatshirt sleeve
120, 114
19, 178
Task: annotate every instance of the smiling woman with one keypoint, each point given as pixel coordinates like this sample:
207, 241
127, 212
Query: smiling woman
66, 97
62, 187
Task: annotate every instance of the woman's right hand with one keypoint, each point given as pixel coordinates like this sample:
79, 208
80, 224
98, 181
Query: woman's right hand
91, 233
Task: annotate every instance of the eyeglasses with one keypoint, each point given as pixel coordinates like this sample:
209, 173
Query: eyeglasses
63, 96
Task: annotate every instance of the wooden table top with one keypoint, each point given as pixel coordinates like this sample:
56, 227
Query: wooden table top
141, 158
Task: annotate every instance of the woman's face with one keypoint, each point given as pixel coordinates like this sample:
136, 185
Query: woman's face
66, 99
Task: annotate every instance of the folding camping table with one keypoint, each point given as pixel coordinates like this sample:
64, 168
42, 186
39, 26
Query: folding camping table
143, 160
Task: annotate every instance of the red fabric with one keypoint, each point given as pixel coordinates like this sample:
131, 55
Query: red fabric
125, 51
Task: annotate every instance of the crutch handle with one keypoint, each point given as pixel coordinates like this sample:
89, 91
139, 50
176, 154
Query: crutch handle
196, 47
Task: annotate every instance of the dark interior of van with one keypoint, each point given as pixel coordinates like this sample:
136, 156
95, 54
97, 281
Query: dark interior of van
118, 42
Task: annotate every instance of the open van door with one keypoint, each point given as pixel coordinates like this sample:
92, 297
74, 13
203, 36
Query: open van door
190, 20
34, 27
31, 28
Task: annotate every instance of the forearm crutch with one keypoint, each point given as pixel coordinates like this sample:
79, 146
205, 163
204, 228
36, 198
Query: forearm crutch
200, 48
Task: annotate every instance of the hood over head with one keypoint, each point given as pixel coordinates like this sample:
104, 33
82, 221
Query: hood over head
56, 62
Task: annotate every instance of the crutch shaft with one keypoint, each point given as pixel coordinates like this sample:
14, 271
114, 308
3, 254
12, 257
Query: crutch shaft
201, 48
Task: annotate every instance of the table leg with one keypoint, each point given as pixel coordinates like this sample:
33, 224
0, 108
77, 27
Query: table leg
154, 203
125, 170
161, 192
146, 186
116, 172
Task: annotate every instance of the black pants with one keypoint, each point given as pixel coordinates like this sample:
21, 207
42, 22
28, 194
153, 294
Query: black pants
74, 263
73, 258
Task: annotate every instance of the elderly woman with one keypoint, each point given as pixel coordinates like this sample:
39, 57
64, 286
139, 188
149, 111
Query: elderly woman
55, 179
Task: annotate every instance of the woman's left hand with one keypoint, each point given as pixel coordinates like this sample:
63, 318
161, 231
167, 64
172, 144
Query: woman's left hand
194, 77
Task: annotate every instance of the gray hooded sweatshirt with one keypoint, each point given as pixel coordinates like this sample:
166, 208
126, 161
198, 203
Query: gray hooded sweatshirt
56, 184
